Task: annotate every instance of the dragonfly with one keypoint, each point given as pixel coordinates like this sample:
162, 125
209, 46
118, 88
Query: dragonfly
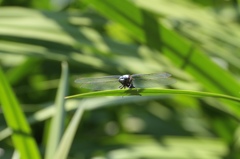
126, 81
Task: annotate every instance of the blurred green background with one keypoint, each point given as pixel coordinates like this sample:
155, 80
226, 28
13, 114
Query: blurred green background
197, 41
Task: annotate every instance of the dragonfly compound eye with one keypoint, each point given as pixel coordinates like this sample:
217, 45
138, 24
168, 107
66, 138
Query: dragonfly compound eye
123, 79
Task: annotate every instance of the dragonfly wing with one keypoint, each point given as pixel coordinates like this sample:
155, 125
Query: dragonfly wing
153, 75
102, 83
152, 80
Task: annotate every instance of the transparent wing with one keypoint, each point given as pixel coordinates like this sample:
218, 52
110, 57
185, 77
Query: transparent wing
102, 83
152, 80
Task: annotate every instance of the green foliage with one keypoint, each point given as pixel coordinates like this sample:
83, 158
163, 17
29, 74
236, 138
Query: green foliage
196, 41
21, 133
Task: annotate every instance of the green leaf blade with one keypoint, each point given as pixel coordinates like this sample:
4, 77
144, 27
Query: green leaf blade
22, 138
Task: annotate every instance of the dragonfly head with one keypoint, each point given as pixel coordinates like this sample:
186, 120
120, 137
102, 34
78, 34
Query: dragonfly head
123, 79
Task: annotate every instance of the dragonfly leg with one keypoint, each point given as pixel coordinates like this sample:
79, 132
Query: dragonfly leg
131, 85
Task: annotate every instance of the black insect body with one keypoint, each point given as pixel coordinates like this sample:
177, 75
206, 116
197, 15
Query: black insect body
126, 81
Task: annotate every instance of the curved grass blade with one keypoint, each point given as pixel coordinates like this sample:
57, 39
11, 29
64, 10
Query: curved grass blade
67, 139
57, 123
15, 118
153, 92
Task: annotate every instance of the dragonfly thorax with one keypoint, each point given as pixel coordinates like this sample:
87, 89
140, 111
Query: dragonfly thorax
126, 81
